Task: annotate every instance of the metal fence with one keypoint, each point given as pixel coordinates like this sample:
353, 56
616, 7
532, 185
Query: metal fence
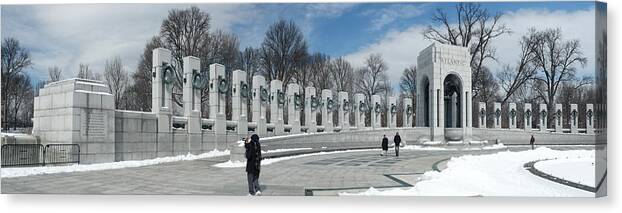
22, 155
39, 155
62, 153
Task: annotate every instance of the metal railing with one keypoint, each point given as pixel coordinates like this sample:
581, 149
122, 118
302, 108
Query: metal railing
39, 155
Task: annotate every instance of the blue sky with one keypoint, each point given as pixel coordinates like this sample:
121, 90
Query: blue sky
66, 35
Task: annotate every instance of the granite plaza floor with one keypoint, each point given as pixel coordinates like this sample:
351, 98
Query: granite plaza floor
311, 175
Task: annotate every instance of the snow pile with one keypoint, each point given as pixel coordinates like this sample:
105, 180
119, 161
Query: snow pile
577, 170
499, 174
234, 164
27, 171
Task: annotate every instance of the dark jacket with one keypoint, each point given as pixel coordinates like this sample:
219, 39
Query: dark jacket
397, 140
532, 141
253, 155
385, 144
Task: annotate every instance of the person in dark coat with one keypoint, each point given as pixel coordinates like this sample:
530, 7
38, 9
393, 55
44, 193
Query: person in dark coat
532, 141
253, 164
397, 140
384, 145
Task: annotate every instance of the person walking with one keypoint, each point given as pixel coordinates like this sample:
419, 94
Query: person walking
532, 141
397, 140
253, 164
384, 145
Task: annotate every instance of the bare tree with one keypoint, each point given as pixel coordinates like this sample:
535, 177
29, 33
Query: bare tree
556, 59
14, 60
21, 94
86, 73
55, 73
511, 79
248, 61
408, 83
141, 88
471, 27
117, 79
343, 75
320, 67
283, 51
372, 79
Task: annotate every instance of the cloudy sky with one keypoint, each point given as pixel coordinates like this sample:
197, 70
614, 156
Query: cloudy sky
66, 35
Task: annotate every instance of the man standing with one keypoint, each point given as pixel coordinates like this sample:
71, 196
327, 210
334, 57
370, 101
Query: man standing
384, 145
532, 142
253, 164
397, 140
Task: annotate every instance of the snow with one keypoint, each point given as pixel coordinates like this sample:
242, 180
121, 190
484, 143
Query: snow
499, 174
453, 148
577, 170
27, 171
234, 164
283, 150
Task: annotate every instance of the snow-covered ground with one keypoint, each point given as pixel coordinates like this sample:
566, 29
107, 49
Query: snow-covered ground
27, 171
577, 170
234, 164
283, 150
499, 174
442, 148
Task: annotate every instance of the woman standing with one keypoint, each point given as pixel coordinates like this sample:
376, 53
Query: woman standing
253, 164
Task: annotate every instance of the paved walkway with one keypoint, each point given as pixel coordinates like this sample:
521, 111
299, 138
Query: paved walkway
312, 175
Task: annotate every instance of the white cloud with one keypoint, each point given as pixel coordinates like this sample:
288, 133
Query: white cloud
400, 48
394, 12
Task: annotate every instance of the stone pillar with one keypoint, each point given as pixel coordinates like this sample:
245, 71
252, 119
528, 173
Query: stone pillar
360, 108
376, 111
239, 99
559, 118
482, 114
528, 113
344, 111
193, 84
589, 118
327, 110
277, 102
294, 104
542, 117
407, 115
260, 100
497, 115
218, 89
512, 115
311, 107
392, 112
162, 99
574, 118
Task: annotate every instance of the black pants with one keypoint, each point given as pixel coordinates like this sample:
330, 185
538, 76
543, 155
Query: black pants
253, 182
397, 150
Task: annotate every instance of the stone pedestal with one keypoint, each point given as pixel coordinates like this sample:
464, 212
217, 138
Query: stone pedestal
327, 110
482, 114
239, 95
218, 87
376, 112
294, 104
589, 118
192, 94
277, 102
559, 118
543, 113
407, 115
574, 118
311, 108
512, 115
360, 108
392, 112
527, 115
497, 115
259, 104
344, 111
77, 111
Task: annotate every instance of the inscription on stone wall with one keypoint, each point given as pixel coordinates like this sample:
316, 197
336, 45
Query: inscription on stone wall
94, 124
452, 61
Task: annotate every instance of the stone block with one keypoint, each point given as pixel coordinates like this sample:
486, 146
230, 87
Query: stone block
94, 101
